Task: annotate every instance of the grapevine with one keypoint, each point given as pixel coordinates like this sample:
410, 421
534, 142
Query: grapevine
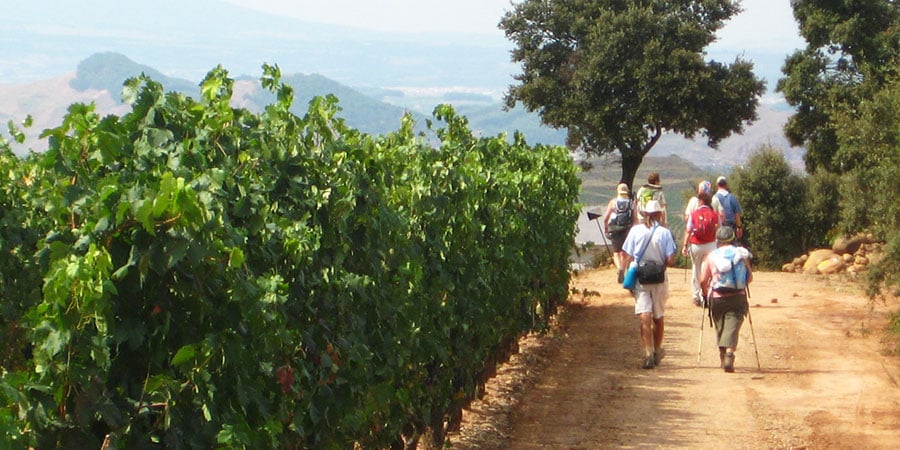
193, 274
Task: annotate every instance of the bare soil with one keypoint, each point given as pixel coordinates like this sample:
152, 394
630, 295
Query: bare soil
823, 379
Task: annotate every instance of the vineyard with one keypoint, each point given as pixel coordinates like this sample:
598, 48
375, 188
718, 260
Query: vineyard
195, 275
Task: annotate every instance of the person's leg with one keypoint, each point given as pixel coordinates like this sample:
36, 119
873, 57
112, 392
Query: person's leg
658, 331
696, 261
647, 333
619, 260
698, 254
643, 308
647, 337
733, 318
660, 297
619, 256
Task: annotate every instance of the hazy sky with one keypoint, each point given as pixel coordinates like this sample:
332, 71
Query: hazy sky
764, 23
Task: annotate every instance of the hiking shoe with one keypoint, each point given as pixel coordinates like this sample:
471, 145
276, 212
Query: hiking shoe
728, 364
658, 355
649, 362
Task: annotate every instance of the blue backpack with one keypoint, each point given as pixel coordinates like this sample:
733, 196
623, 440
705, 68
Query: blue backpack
730, 270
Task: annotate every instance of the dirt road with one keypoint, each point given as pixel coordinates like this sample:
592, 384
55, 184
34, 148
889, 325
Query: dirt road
824, 382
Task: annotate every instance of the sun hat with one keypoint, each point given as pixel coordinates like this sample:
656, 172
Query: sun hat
721, 181
725, 234
622, 189
704, 186
652, 206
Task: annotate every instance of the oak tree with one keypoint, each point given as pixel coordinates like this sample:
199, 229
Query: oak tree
853, 49
619, 74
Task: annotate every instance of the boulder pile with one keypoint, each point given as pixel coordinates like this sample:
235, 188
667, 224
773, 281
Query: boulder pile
848, 254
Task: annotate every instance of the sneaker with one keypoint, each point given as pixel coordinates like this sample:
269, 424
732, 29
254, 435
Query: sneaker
729, 362
658, 356
649, 362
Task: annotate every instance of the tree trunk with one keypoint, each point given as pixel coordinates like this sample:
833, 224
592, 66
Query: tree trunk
633, 156
631, 161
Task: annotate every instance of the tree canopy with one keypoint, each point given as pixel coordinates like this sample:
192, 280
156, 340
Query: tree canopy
846, 87
853, 50
617, 75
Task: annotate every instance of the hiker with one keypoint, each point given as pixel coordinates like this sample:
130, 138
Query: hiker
729, 207
617, 222
724, 276
699, 239
652, 191
704, 186
652, 245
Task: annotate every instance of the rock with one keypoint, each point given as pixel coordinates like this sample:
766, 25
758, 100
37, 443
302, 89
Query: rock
814, 258
831, 265
848, 245
787, 268
803, 258
848, 257
798, 261
861, 261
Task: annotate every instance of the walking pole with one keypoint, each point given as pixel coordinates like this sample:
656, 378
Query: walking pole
700, 344
752, 333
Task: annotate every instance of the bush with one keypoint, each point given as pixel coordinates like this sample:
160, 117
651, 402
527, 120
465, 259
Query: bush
771, 197
821, 206
211, 277
869, 136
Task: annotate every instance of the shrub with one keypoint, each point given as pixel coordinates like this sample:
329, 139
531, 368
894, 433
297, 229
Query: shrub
771, 197
821, 209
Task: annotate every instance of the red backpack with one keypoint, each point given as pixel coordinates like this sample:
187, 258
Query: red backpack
703, 225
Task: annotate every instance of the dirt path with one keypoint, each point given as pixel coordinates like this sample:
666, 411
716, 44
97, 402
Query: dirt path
824, 382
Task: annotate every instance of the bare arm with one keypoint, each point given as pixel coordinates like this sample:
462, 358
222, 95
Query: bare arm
705, 275
609, 210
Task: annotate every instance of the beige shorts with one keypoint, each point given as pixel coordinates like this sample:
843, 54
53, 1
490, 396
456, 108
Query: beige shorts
652, 298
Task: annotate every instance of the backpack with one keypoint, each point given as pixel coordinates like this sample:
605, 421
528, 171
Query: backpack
703, 225
729, 269
623, 217
726, 202
647, 193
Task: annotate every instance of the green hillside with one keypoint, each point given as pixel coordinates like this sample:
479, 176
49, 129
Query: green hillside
360, 111
108, 71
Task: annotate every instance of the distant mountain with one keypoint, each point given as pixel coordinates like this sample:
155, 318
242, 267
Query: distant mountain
360, 111
737, 149
188, 38
99, 79
108, 71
